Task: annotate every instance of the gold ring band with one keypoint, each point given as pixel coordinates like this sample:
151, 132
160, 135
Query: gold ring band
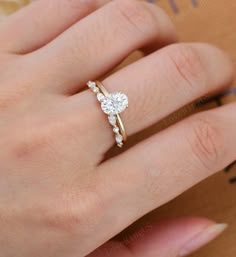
119, 120
112, 104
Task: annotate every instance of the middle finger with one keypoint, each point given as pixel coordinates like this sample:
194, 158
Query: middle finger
97, 43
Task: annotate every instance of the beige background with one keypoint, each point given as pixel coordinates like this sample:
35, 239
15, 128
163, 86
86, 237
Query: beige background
213, 21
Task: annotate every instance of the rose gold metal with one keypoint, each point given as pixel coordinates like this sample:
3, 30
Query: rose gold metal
119, 120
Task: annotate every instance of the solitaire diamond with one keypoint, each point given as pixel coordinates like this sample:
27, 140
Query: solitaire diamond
115, 103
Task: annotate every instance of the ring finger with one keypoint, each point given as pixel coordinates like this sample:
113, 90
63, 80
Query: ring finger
157, 85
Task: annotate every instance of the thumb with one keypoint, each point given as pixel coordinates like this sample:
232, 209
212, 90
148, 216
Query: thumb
170, 238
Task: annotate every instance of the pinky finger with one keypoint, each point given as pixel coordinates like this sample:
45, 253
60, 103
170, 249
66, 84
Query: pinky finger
176, 238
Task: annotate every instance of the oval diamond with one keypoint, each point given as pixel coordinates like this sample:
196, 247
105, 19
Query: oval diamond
115, 103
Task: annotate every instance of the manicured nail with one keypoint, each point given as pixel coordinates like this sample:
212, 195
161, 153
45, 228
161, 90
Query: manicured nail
203, 238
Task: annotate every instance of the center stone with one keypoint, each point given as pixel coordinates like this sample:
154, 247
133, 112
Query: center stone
115, 103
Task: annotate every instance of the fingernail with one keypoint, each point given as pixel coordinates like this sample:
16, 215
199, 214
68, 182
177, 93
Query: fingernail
203, 238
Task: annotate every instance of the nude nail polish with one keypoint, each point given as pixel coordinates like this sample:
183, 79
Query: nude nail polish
203, 238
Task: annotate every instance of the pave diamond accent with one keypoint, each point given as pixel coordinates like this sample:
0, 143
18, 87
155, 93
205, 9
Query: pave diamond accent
96, 90
91, 84
112, 120
115, 103
100, 97
120, 145
116, 130
119, 139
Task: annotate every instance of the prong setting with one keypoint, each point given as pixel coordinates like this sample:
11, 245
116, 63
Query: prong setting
112, 105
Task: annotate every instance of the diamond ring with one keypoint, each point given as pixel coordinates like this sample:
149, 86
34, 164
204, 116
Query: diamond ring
112, 104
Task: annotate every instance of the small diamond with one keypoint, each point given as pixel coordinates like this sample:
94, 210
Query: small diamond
96, 90
100, 97
119, 139
91, 84
116, 130
112, 120
120, 145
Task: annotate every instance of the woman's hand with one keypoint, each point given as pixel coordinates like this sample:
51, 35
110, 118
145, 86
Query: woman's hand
58, 196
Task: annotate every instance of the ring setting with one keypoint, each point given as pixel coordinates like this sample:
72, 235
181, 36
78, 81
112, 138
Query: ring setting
112, 104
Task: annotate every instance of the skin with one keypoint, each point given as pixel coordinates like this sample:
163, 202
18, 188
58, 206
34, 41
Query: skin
59, 196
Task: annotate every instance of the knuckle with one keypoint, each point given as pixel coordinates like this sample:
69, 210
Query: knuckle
187, 65
137, 15
206, 142
73, 5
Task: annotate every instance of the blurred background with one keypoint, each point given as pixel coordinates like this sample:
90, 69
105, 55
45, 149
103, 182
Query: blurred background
212, 21
9, 6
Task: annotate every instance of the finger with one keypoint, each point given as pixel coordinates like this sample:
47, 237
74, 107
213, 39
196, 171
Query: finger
162, 167
169, 238
185, 73
42, 21
100, 41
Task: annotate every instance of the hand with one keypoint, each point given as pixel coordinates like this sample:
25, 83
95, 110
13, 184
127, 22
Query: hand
58, 195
